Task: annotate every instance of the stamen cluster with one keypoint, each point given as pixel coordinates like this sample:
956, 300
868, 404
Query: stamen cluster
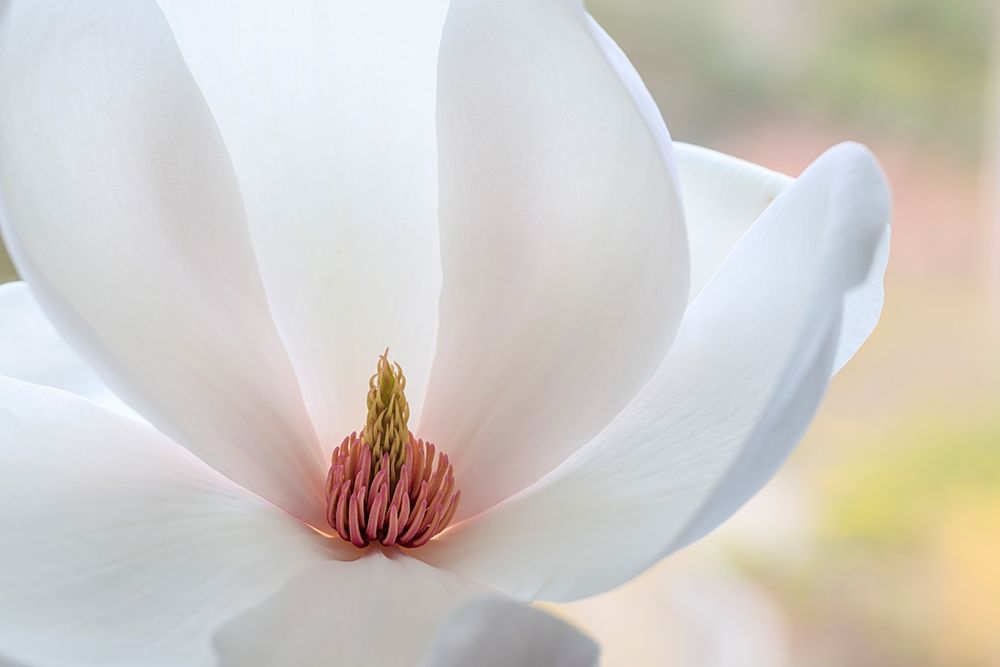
384, 485
364, 505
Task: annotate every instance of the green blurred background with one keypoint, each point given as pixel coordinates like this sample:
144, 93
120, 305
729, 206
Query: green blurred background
879, 544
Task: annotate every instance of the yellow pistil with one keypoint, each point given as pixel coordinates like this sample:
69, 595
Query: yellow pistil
386, 428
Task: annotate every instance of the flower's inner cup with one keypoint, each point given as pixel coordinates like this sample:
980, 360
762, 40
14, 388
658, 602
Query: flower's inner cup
384, 484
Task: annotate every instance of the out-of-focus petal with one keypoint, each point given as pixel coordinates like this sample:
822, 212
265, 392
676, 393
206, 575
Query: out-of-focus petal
32, 351
563, 248
494, 632
750, 364
367, 613
119, 547
121, 210
328, 110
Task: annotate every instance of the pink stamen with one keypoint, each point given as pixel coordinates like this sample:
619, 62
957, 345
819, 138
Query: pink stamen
363, 507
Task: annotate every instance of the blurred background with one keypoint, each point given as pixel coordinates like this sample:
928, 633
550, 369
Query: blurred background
879, 544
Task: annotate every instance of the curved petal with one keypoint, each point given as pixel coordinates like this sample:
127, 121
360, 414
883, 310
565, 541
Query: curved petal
117, 546
636, 88
493, 632
747, 371
121, 210
863, 306
328, 109
370, 612
723, 196
32, 351
563, 247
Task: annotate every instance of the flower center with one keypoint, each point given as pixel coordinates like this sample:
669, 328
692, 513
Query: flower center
384, 484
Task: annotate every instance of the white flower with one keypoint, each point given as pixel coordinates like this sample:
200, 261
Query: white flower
230, 209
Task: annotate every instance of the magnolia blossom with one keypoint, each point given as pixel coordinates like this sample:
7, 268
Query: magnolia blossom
225, 214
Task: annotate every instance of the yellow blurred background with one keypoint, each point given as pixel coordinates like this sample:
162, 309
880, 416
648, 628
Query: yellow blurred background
878, 545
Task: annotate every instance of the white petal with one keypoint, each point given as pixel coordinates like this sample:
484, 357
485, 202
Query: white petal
748, 369
121, 210
723, 196
636, 88
563, 246
328, 109
493, 632
863, 306
118, 547
370, 612
31, 350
